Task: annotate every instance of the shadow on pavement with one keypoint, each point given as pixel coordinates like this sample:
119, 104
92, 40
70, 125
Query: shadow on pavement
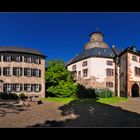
90, 113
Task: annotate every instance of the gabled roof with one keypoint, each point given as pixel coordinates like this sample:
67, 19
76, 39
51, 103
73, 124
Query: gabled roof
20, 50
116, 50
93, 52
131, 49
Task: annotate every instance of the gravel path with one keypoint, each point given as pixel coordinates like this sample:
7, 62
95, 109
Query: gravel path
51, 114
28, 116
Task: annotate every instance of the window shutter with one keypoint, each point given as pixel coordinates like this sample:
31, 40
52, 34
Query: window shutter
39, 73
13, 71
4, 87
13, 58
31, 72
20, 58
20, 71
32, 87
39, 87
24, 87
12, 87
24, 71
21, 87
3, 57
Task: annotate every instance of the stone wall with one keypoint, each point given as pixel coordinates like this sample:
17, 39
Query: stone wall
93, 83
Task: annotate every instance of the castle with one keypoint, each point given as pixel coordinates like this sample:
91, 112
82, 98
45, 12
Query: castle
101, 66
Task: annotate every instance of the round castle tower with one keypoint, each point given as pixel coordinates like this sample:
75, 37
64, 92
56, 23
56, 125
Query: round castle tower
96, 41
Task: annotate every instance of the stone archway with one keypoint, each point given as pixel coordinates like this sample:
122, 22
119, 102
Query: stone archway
135, 90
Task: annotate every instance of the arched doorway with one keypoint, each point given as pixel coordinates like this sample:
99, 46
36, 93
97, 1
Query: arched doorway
135, 90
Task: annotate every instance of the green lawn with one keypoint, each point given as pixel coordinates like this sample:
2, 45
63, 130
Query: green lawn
110, 101
62, 100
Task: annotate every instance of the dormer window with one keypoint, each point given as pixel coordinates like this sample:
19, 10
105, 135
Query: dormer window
84, 63
110, 63
73, 67
134, 58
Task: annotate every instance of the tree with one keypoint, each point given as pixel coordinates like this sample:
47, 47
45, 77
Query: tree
59, 81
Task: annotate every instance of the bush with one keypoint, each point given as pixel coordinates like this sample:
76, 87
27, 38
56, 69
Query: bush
103, 93
83, 92
4, 96
7, 96
22, 96
13, 96
64, 89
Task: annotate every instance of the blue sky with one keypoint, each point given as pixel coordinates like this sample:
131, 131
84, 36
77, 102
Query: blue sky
62, 35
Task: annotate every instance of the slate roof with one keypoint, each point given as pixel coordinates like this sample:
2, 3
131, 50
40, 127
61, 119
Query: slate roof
116, 50
131, 49
20, 50
94, 52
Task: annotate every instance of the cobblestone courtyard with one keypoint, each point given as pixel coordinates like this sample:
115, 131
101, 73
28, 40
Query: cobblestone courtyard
51, 114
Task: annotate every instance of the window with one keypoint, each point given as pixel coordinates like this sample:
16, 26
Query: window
134, 58
109, 84
109, 62
36, 60
27, 59
79, 74
6, 71
27, 72
17, 58
17, 71
27, 87
17, 87
36, 72
73, 67
6, 87
110, 72
85, 72
74, 74
84, 63
7, 58
36, 87
137, 71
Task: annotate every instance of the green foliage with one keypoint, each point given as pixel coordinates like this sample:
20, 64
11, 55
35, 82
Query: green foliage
22, 96
14, 96
89, 101
7, 96
61, 100
103, 93
63, 89
83, 92
112, 100
59, 82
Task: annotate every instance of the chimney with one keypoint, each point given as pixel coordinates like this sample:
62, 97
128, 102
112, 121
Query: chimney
133, 48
